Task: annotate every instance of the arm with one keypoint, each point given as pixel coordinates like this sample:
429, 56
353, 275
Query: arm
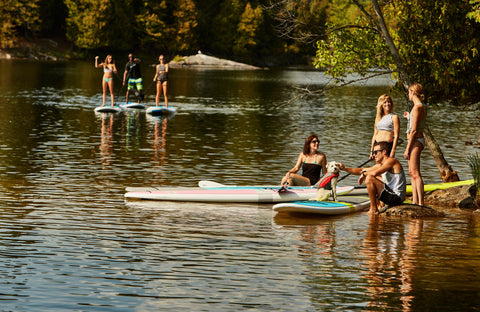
297, 165
375, 131
156, 73
416, 115
166, 68
396, 133
323, 163
96, 62
114, 69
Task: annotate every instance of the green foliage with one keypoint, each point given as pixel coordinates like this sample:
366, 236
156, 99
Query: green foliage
474, 14
18, 18
356, 49
250, 22
440, 46
93, 24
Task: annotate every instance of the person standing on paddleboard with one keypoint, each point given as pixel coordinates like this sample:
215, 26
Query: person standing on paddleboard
312, 162
161, 77
109, 69
133, 76
416, 142
387, 125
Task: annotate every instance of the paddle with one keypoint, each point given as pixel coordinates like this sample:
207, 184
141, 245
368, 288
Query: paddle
283, 188
340, 179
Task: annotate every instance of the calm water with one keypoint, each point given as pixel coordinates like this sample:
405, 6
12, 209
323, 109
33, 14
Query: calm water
70, 242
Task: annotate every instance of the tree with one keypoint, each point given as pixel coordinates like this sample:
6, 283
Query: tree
250, 22
406, 43
18, 18
93, 24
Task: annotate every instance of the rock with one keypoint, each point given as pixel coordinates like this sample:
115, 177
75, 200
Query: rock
412, 211
457, 196
205, 61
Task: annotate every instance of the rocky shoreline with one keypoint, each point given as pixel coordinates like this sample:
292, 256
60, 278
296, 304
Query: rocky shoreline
440, 202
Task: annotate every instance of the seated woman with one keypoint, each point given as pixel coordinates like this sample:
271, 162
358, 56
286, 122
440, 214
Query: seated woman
312, 162
387, 125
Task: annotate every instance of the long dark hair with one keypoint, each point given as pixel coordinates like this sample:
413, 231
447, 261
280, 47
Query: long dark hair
306, 147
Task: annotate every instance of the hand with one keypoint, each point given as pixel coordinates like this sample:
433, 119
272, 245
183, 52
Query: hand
361, 179
406, 155
406, 114
96, 57
341, 166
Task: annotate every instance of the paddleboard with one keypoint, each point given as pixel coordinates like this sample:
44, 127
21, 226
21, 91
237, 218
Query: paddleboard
344, 205
362, 190
133, 105
227, 194
161, 110
108, 109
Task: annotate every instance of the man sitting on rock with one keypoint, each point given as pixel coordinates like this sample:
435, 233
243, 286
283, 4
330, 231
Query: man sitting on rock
385, 181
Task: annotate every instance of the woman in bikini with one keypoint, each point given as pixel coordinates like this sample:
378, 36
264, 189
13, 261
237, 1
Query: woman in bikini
108, 70
416, 141
161, 77
387, 125
312, 162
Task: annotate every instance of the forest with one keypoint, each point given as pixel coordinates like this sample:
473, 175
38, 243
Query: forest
243, 30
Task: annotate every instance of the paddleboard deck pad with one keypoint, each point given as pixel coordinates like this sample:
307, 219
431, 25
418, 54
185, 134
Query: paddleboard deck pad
228, 194
344, 205
133, 105
362, 190
161, 110
108, 109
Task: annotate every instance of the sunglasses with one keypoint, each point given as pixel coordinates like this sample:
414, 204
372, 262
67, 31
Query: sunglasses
314, 141
374, 153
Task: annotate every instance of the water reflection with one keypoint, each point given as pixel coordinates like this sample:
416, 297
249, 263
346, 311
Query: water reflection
106, 141
391, 259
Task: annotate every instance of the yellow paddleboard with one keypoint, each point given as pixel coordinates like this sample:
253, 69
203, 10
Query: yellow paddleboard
440, 186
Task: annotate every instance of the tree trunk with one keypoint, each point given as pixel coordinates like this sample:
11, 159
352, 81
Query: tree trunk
447, 174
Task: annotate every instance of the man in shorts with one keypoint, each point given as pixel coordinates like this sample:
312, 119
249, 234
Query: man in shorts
385, 181
133, 77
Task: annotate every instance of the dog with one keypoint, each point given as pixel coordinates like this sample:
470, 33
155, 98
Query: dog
327, 185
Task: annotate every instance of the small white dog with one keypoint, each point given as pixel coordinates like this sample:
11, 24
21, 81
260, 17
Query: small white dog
328, 183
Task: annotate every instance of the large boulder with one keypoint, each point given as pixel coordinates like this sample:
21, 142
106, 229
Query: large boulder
201, 60
412, 211
454, 197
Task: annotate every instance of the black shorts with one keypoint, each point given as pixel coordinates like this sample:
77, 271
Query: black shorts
389, 197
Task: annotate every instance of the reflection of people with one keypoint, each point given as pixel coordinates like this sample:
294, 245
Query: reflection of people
385, 181
387, 125
312, 162
133, 77
416, 141
109, 69
106, 144
161, 77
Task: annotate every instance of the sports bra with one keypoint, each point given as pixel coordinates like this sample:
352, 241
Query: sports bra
386, 123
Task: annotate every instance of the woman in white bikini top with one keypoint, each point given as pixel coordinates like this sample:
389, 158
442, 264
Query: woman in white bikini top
387, 125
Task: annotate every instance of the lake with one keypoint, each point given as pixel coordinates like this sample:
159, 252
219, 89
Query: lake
71, 242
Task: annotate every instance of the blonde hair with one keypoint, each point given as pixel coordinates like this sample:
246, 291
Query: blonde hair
381, 99
417, 90
106, 60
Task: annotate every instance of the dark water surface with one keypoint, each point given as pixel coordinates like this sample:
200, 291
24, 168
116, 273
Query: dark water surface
70, 242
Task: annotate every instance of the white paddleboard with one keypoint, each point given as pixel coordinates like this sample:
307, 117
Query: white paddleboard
227, 194
344, 205
133, 105
108, 109
161, 110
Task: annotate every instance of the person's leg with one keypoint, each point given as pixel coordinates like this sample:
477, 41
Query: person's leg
110, 86
104, 87
159, 90
374, 188
415, 175
164, 84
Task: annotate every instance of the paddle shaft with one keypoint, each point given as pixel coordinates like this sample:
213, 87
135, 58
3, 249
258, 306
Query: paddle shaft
369, 160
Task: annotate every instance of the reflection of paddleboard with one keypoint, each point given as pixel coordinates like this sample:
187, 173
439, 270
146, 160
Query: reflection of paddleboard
344, 205
108, 109
161, 110
226, 194
427, 187
133, 105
